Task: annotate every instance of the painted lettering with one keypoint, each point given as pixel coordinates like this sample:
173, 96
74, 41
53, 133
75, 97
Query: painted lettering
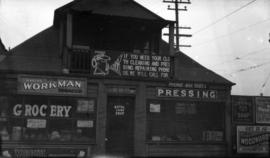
35, 110
187, 93
67, 109
42, 110
160, 92
17, 111
53, 111
27, 111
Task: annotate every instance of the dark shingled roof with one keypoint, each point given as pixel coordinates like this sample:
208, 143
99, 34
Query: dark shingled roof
187, 69
122, 8
2, 47
37, 54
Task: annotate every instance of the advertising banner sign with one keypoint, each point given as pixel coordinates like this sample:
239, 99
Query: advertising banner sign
242, 109
121, 64
252, 139
186, 93
262, 109
44, 152
47, 85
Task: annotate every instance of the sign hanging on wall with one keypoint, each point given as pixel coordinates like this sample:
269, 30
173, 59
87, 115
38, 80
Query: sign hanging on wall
186, 93
252, 139
43, 110
44, 152
242, 109
262, 109
121, 64
47, 85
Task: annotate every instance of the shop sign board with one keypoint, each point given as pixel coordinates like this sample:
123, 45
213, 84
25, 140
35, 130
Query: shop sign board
252, 139
262, 109
186, 93
48, 85
128, 65
242, 109
44, 152
27, 110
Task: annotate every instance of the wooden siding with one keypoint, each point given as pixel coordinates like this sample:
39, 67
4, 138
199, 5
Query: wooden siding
186, 150
140, 122
8, 84
92, 90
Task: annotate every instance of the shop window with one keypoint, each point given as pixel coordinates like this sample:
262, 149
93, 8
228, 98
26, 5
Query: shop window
47, 119
183, 121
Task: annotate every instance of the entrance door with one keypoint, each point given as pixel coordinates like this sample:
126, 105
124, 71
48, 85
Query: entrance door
120, 126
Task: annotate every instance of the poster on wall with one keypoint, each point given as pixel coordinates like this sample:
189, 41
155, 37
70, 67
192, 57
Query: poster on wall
121, 64
242, 109
252, 139
262, 109
48, 85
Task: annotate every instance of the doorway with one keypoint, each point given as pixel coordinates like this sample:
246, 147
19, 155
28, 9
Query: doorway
120, 126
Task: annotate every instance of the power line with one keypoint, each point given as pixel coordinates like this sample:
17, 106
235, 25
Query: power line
230, 33
250, 68
265, 82
224, 17
241, 57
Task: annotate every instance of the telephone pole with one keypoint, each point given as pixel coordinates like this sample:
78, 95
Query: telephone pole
177, 27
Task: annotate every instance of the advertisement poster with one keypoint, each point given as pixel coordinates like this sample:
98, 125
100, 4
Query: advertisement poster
121, 64
242, 109
252, 139
154, 108
262, 109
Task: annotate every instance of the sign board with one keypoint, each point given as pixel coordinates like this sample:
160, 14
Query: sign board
252, 139
47, 85
242, 109
121, 64
26, 152
262, 109
36, 123
85, 123
186, 93
27, 110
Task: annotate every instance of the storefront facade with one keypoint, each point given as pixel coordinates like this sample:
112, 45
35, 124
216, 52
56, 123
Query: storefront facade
65, 97
250, 127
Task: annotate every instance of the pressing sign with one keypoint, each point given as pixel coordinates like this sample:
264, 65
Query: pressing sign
41, 110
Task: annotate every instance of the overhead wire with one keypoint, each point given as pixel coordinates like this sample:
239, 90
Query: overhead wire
250, 67
224, 17
243, 56
266, 80
230, 33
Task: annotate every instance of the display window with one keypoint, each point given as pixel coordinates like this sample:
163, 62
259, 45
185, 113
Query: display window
47, 119
185, 121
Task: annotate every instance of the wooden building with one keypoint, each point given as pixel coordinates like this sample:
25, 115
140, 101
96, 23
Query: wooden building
102, 81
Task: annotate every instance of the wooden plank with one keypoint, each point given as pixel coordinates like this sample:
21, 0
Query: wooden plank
140, 122
186, 150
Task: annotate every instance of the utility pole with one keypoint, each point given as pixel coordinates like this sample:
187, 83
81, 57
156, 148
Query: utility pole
177, 27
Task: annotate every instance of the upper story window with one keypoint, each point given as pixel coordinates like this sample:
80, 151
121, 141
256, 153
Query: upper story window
108, 33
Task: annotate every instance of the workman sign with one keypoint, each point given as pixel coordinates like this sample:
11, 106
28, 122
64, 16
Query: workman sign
46, 85
252, 139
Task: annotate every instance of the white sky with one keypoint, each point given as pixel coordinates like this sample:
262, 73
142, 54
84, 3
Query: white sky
236, 47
